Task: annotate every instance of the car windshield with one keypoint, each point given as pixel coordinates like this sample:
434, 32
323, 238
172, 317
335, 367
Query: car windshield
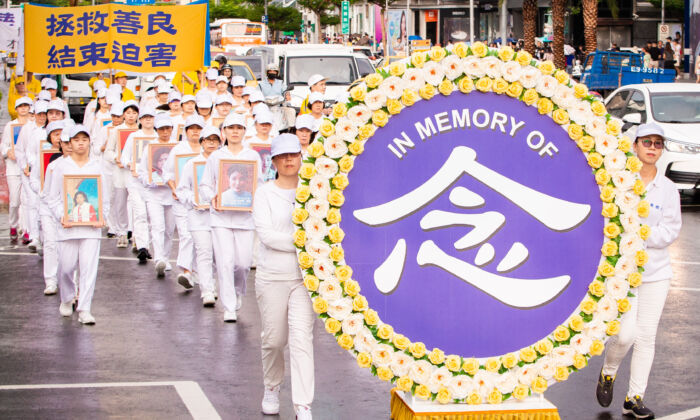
676, 107
365, 67
338, 70
255, 64
240, 70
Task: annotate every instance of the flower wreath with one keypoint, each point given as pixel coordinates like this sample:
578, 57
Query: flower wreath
430, 374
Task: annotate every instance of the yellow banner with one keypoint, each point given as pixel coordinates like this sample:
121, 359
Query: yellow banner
142, 39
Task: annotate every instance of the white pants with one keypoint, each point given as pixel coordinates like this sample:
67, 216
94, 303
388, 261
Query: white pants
233, 253
48, 239
204, 259
185, 252
24, 204
31, 208
139, 230
118, 213
107, 191
162, 229
85, 255
287, 317
638, 327
14, 187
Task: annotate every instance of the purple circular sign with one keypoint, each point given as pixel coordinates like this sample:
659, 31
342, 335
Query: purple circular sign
473, 224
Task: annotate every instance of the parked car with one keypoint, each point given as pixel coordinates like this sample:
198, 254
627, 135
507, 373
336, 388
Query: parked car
240, 68
384, 62
609, 70
676, 108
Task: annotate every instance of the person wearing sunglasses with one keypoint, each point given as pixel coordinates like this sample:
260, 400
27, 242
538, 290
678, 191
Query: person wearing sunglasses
638, 326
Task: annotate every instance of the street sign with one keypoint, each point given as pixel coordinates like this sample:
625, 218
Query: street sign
345, 17
264, 19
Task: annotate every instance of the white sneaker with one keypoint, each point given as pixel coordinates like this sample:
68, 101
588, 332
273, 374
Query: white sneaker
168, 266
51, 289
122, 241
230, 316
66, 309
208, 300
303, 412
33, 245
271, 400
86, 318
239, 302
160, 268
185, 280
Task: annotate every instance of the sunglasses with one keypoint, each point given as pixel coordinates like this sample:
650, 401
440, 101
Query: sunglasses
658, 144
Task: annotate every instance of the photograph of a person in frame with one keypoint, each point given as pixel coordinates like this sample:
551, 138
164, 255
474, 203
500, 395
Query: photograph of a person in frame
240, 189
160, 156
82, 210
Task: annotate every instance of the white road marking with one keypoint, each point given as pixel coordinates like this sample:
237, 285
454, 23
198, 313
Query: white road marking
683, 415
103, 257
687, 289
190, 392
686, 262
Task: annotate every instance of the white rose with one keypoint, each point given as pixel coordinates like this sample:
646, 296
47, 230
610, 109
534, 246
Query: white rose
420, 372
563, 355
360, 114
563, 96
483, 382
323, 268
439, 378
529, 77
317, 248
607, 309
335, 147
630, 221
346, 129
616, 287
330, 290
472, 66
595, 329
581, 343
596, 126
340, 308
382, 355
630, 243
353, 324
413, 79
400, 363
623, 180
605, 144
511, 71
625, 266
316, 228
580, 112
627, 201
326, 167
492, 66
452, 66
317, 208
461, 385
615, 161
526, 374
392, 87
364, 340
546, 86
546, 367
506, 383
433, 73
319, 187
375, 99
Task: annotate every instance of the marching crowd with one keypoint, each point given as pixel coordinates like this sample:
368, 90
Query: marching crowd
147, 196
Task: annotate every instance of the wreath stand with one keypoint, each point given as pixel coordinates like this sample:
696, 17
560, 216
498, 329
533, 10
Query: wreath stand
405, 406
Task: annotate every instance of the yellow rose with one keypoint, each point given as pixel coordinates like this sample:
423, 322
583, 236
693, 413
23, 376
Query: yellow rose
520, 392
417, 349
303, 193
343, 272
494, 397
385, 374
418, 59
595, 160
493, 364
299, 238
351, 287
544, 346
506, 53
364, 360
580, 361
336, 234
598, 108
575, 131
612, 127
561, 117
466, 84
358, 93
427, 91
385, 332
528, 354
479, 49
446, 87
422, 392
305, 260
623, 305
327, 128
474, 399
500, 86
561, 373
397, 68
607, 193
606, 269
602, 177
359, 303
401, 342
333, 216
311, 282
546, 67
586, 143
356, 148
576, 323
562, 77
643, 209
371, 317
453, 363
609, 249
509, 360
336, 198
531, 96
539, 385
404, 384
299, 215
596, 288
471, 366
393, 106
346, 341
373, 80
460, 49
624, 144
380, 118
644, 231
639, 188
319, 305
444, 396
588, 306
580, 90
641, 258
634, 279
484, 84
561, 333
409, 97
611, 230
307, 171
437, 53
523, 58
337, 253
340, 181
633, 164
332, 325
315, 149
340, 109
610, 210
514, 90
436, 356
596, 348
366, 131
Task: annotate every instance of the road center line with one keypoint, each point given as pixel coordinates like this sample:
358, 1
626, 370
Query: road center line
683, 415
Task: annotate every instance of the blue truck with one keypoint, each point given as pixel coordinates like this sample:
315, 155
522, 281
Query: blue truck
605, 71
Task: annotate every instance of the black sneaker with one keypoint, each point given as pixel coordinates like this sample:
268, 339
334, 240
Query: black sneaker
143, 255
635, 407
604, 390
111, 235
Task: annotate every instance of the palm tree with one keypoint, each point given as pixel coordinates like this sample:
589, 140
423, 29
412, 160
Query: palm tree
530, 24
558, 11
590, 24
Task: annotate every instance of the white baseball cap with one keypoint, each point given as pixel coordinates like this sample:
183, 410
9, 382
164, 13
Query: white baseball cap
147, 111
234, 118
174, 96
131, 102
57, 104
99, 84
212, 74
315, 78
209, 131
649, 129
44, 95
315, 97
204, 101
163, 87
256, 96
220, 99
248, 90
41, 106
305, 121
263, 118
188, 98
43, 82
222, 78
55, 125
67, 125
285, 143
163, 120
117, 108
111, 98
101, 93
237, 81
195, 120
115, 88
51, 84
76, 129
261, 107
24, 100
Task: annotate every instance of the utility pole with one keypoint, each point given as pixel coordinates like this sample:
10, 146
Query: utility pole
471, 21
504, 22
663, 6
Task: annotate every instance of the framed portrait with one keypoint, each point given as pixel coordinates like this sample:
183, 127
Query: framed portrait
82, 201
105, 121
180, 161
216, 122
265, 152
198, 169
47, 156
236, 186
180, 131
16, 128
157, 156
123, 134
137, 147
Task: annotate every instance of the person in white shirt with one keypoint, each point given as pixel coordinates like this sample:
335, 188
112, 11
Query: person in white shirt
263, 126
232, 230
285, 307
98, 115
222, 106
23, 155
304, 127
109, 166
639, 324
12, 169
205, 106
316, 106
91, 107
210, 89
237, 86
52, 88
198, 215
78, 246
221, 85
